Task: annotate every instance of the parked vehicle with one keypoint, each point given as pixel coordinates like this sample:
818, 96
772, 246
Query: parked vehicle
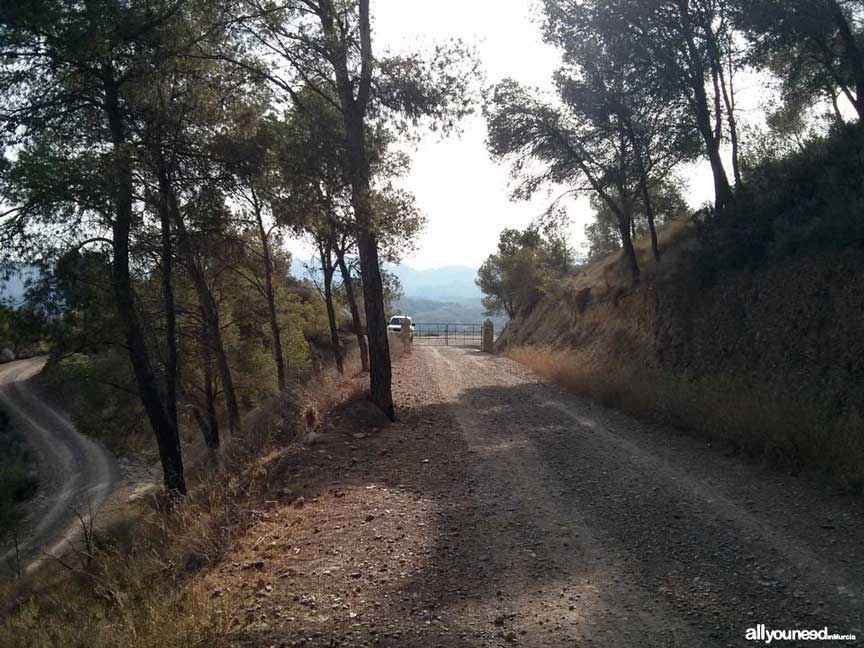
395, 325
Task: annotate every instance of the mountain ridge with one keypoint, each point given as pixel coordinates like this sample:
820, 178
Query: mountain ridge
446, 283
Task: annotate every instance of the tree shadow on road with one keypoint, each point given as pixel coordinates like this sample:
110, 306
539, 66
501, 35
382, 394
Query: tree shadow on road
499, 520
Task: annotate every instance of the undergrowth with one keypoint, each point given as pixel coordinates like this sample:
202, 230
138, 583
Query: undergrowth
760, 420
140, 581
18, 480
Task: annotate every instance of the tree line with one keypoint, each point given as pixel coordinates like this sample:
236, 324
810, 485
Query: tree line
170, 144
646, 87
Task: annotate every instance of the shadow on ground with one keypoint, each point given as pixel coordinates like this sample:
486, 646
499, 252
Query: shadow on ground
500, 519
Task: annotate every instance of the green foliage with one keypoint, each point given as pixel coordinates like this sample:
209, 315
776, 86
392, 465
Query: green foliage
302, 321
98, 390
528, 265
77, 292
18, 481
22, 330
603, 236
810, 200
812, 46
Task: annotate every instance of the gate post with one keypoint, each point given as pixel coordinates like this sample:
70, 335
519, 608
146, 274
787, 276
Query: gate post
446, 335
488, 336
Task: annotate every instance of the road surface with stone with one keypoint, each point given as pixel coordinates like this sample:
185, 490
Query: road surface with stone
503, 511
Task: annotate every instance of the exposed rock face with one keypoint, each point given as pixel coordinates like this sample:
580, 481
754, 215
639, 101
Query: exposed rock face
6, 355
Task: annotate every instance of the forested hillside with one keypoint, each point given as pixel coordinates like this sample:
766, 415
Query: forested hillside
737, 320
155, 156
201, 446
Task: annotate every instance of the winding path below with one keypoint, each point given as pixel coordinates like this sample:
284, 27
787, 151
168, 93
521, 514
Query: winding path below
76, 475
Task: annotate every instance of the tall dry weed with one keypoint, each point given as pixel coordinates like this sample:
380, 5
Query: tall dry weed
149, 592
761, 420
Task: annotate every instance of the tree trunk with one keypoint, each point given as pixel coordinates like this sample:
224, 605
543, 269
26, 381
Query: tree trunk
643, 186
270, 295
172, 375
727, 92
210, 315
696, 80
649, 214
627, 245
729, 98
207, 420
380, 371
327, 269
853, 54
624, 214
357, 323
358, 172
167, 437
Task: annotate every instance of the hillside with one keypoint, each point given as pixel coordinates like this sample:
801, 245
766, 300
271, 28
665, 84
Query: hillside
767, 356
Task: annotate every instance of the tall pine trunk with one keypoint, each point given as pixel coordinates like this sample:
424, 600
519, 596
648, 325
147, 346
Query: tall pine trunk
726, 90
210, 315
643, 187
702, 113
356, 322
649, 214
172, 373
167, 437
625, 220
207, 421
380, 371
327, 269
270, 295
358, 171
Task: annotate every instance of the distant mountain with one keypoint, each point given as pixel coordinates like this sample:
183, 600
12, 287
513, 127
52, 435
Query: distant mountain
446, 295
450, 283
430, 311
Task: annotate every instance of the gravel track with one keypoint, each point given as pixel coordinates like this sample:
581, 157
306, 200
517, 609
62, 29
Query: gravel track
76, 474
503, 511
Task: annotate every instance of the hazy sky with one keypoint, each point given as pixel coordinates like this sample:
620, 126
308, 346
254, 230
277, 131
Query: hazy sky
462, 192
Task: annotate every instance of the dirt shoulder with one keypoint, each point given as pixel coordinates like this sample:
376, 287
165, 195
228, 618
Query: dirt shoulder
502, 511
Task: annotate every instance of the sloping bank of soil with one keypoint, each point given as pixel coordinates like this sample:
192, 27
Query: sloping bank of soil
769, 357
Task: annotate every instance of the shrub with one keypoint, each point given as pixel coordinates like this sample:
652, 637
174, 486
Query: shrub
759, 420
18, 481
812, 199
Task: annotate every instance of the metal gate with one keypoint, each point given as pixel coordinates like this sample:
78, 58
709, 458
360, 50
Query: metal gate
457, 335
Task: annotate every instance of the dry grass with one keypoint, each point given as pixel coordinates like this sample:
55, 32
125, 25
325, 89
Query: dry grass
757, 419
145, 584
144, 593
612, 272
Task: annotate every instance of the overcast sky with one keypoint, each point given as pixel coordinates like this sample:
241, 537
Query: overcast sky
463, 193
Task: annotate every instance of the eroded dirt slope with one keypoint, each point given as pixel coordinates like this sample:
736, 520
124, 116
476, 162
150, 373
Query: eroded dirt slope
502, 511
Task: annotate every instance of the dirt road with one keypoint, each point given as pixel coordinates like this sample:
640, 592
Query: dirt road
503, 511
75, 474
